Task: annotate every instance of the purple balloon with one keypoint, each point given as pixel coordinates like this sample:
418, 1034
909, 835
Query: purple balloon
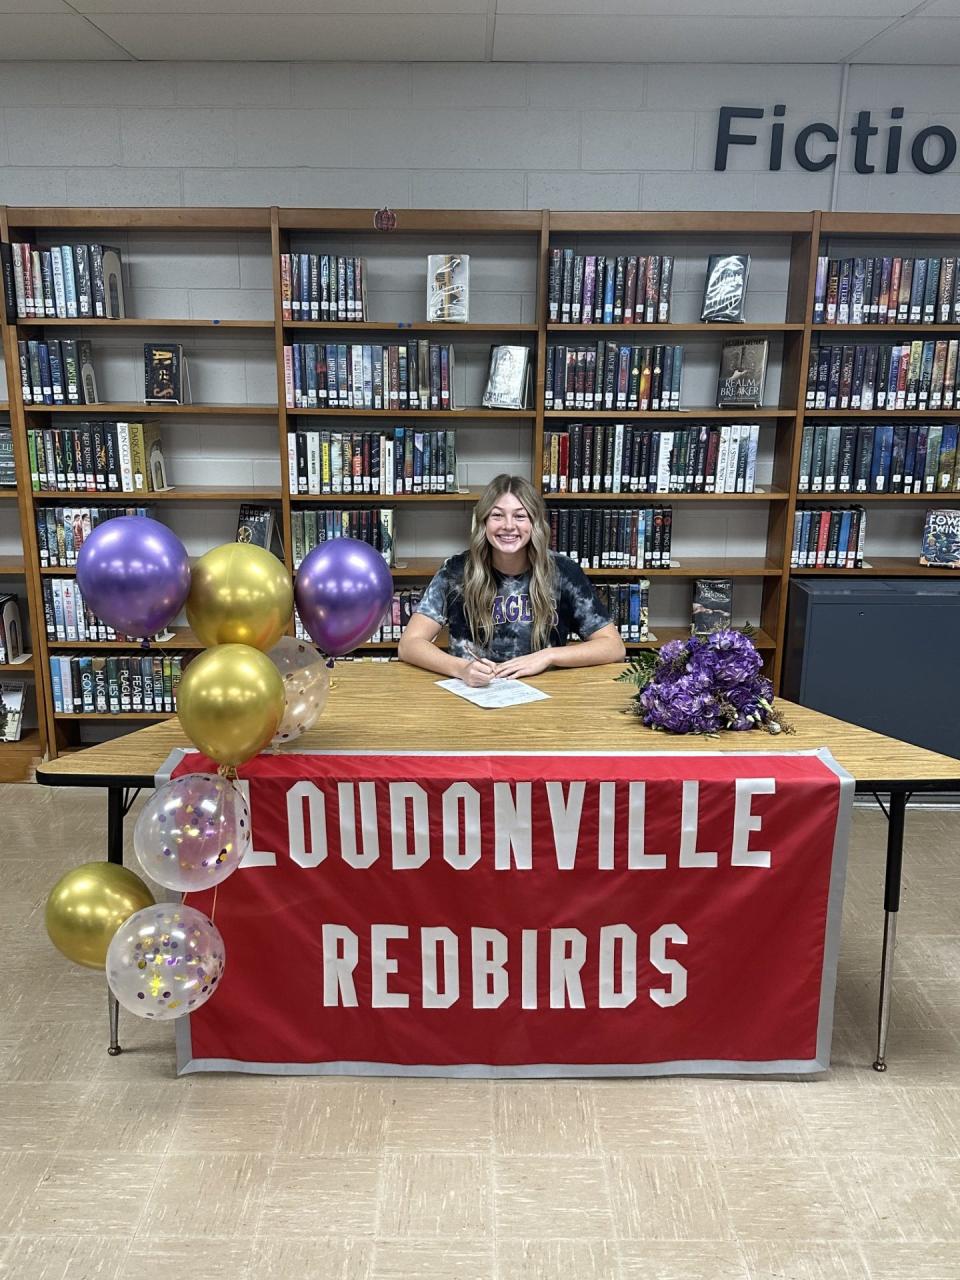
134, 574
343, 589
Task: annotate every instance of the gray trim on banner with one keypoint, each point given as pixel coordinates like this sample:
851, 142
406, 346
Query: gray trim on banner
838, 879
165, 771
481, 1071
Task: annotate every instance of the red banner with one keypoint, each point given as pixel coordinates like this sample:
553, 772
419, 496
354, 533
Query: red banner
529, 915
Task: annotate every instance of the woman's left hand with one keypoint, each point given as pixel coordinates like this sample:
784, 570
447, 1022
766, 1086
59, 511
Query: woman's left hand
528, 664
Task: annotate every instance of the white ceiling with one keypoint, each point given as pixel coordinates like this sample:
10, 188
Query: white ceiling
831, 31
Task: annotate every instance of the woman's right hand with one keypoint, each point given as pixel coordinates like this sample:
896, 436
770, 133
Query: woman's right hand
478, 672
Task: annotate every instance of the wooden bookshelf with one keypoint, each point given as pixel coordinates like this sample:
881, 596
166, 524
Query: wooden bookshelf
794, 239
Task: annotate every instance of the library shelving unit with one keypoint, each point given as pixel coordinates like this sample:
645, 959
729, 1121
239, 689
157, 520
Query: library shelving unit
164, 265
894, 520
212, 277
782, 249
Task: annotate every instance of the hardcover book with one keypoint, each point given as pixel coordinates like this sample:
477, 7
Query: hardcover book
743, 369
507, 378
12, 694
255, 524
725, 288
448, 287
941, 539
165, 373
712, 605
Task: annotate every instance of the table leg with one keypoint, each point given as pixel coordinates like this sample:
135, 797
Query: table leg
115, 812
891, 906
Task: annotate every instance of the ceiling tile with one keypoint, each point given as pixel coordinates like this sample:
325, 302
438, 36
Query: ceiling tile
33, 6
42, 36
942, 9
753, 9
934, 41
264, 8
283, 37
651, 40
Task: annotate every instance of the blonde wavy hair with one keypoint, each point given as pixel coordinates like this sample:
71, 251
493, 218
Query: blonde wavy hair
479, 584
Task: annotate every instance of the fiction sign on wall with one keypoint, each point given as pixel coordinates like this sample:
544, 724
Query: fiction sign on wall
878, 148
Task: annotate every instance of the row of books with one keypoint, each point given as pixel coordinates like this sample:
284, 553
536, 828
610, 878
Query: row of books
398, 460
322, 286
417, 374
57, 372
97, 457
67, 616
613, 537
828, 538
98, 685
617, 457
886, 291
628, 604
8, 470
66, 281
907, 375
369, 524
607, 375
61, 531
402, 608
592, 289
888, 457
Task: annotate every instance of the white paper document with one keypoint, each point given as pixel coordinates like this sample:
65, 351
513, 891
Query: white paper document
501, 693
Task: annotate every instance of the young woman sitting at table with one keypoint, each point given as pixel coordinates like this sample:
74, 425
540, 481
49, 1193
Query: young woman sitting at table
509, 602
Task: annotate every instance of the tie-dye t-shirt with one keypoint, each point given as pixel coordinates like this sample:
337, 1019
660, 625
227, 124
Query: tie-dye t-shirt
578, 610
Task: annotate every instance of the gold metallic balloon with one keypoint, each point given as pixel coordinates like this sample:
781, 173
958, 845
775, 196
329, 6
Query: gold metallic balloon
88, 905
239, 594
230, 702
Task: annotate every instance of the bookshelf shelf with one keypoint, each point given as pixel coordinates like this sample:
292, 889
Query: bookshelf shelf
929, 499
664, 635
17, 668
853, 415
58, 571
684, 418
405, 326
385, 499
420, 567
138, 322
16, 757
718, 567
699, 327
8, 495
11, 566
882, 567
182, 493
104, 410
101, 716
183, 638
436, 415
890, 330
762, 493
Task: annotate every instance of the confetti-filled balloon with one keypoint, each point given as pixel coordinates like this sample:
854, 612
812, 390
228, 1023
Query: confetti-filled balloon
165, 961
306, 685
193, 832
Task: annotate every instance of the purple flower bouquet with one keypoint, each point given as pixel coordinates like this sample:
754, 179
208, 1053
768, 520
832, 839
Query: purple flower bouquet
704, 684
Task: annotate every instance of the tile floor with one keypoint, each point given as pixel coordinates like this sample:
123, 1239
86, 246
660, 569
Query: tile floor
113, 1168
